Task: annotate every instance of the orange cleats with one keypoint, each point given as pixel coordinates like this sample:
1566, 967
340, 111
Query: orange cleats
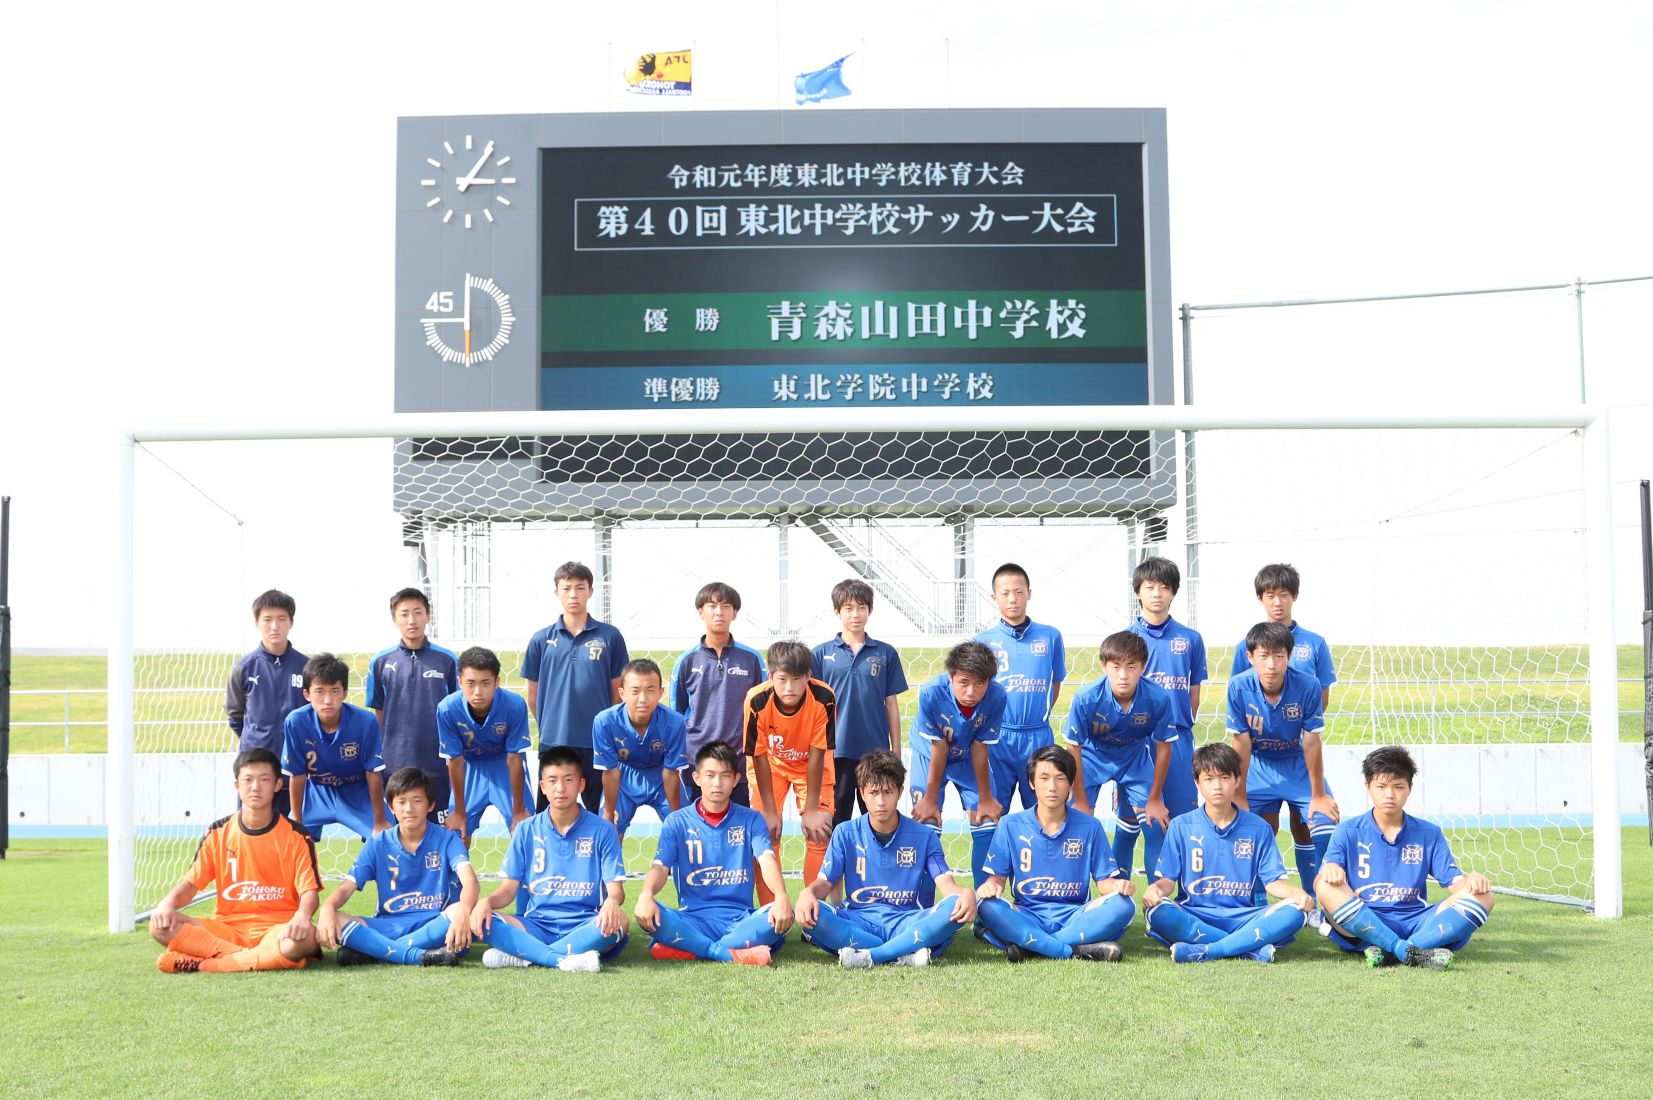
176, 962
669, 954
750, 956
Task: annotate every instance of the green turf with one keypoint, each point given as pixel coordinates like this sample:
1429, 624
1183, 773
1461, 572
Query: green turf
1508, 696
1547, 1001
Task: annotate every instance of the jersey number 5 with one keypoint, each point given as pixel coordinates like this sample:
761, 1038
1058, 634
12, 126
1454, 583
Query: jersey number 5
1365, 864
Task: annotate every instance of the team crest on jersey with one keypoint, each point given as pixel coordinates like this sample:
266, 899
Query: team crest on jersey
1292, 711
297, 680
906, 857
1242, 849
737, 834
1139, 719
350, 750
1073, 849
1040, 648
500, 728
1411, 853
433, 861
582, 846
1301, 653
657, 745
1179, 645
594, 651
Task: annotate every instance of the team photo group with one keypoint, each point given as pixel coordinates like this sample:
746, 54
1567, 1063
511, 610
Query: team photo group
716, 745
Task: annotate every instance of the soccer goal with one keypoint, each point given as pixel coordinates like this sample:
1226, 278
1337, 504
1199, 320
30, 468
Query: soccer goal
1459, 563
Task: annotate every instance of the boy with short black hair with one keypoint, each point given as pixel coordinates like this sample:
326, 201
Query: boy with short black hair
333, 756
1032, 663
866, 679
709, 850
569, 860
959, 714
267, 684
710, 682
790, 733
573, 673
637, 745
885, 861
1275, 722
1215, 858
1054, 854
267, 882
1376, 874
1176, 662
482, 733
405, 684
425, 887
1120, 729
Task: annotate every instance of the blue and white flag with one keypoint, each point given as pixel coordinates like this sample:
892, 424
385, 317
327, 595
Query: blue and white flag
827, 83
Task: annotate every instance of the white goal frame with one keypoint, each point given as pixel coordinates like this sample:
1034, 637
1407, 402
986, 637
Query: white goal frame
1594, 422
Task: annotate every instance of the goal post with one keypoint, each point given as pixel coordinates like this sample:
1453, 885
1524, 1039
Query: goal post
922, 529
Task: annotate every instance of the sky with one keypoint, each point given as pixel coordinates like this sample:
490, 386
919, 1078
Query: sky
200, 231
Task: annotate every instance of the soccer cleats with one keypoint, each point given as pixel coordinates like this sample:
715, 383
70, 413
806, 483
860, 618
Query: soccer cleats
669, 954
175, 962
854, 958
1102, 951
439, 956
1189, 953
1263, 954
583, 962
921, 957
349, 956
750, 956
494, 958
1428, 958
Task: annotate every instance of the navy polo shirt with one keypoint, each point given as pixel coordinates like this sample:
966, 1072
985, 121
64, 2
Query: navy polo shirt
405, 686
710, 688
575, 675
861, 679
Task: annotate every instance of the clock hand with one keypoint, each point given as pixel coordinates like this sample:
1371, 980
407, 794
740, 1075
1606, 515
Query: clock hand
470, 177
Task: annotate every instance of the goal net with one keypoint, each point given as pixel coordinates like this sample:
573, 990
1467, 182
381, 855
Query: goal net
1445, 562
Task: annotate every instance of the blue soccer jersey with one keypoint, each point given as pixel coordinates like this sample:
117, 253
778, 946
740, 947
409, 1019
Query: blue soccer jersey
406, 686
1176, 662
861, 680
575, 675
712, 865
423, 880
884, 879
709, 689
338, 759
1276, 729
504, 729
1051, 875
939, 719
615, 743
1032, 665
1309, 652
1121, 735
1392, 876
1219, 868
566, 875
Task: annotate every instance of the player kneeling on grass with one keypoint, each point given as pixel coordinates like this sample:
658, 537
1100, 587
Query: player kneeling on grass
1215, 857
569, 860
1053, 854
709, 850
883, 858
332, 753
425, 884
268, 886
1377, 871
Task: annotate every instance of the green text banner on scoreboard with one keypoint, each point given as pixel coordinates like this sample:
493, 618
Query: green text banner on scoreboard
857, 275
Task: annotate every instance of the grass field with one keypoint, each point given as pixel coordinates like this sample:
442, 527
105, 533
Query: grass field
1547, 1001
1490, 696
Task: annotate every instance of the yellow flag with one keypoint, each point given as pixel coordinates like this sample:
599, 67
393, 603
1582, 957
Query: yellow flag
661, 74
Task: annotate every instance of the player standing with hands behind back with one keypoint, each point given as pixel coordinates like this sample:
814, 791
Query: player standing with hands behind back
1032, 665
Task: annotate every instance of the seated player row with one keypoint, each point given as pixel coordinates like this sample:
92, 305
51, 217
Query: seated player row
574, 668
563, 868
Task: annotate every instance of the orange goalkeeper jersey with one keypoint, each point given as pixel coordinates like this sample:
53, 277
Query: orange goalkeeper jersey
260, 875
787, 738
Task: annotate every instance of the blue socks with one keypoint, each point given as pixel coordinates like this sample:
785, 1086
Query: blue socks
1450, 923
1171, 923
932, 930
429, 936
1103, 919
525, 945
1308, 865
1357, 920
359, 937
1125, 833
1275, 925
749, 931
834, 933
981, 838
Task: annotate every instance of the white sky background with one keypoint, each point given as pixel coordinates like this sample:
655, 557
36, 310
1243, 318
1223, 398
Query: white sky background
199, 229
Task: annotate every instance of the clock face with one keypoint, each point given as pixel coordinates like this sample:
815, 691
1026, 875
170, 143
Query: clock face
467, 182
469, 326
